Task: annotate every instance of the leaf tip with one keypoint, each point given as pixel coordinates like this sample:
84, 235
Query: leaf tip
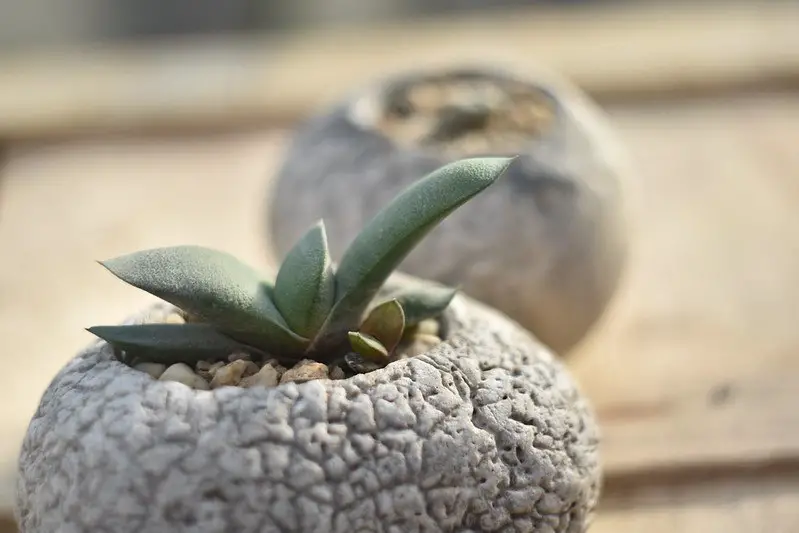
111, 264
368, 347
98, 331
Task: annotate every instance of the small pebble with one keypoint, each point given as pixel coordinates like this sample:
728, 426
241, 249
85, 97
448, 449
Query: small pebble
337, 373
305, 370
237, 356
277, 366
182, 373
420, 344
266, 377
232, 373
207, 369
427, 327
174, 318
154, 369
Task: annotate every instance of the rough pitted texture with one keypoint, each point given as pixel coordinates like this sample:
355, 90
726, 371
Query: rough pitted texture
487, 432
545, 245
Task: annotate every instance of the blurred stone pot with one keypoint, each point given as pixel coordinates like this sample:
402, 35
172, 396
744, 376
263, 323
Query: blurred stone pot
546, 245
485, 432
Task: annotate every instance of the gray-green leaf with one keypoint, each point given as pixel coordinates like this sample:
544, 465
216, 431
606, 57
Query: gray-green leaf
305, 288
386, 323
394, 232
169, 343
368, 347
423, 301
214, 286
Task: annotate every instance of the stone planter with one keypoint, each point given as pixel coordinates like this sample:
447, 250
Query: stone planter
546, 245
485, 432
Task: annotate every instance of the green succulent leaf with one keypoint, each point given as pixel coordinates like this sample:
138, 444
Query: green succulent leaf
168, 343
214, 286
383, 244
305, 288
386, 323
368, 347
423, 302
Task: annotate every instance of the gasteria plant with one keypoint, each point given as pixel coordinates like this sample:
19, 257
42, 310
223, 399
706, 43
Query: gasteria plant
313, 310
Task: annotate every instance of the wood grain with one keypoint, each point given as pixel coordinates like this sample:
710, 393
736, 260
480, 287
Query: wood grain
623, 49
711, 296
756, 503
693, 372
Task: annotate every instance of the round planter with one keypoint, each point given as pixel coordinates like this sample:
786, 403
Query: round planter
546, 245
485, 432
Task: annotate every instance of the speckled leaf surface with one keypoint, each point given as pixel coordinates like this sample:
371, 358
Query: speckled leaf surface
547, 244
169, 343
388, 238
305, 287
213, 285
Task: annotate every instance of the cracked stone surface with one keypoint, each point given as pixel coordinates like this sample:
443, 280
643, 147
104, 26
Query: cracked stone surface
545, 245
487, 432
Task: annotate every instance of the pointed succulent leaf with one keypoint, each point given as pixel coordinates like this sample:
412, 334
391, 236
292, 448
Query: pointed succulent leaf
424, 301
168, 343
213, 286
386, 323
368, 347
383, 244
305, 287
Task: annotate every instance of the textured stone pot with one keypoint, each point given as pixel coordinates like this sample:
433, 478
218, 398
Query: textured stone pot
486, 432
546, 245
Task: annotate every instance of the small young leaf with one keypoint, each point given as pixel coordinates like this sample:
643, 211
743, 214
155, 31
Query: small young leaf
305, 287
215, 287
385, 242
386, 323
423, 302
368, 347
169, 343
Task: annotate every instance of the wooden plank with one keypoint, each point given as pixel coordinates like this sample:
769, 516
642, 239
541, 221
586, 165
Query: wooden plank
744, 425
694, 374
763, 502
711, 295
622, 50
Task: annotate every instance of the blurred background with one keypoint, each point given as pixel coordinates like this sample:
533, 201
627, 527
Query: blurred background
128, 124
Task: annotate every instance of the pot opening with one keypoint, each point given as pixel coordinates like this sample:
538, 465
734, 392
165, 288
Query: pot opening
245, 368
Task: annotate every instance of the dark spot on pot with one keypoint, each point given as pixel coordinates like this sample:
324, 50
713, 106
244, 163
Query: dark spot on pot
720, 395
214, 494
178, 513
521, 455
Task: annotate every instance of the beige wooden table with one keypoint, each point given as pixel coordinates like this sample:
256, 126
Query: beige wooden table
695, 373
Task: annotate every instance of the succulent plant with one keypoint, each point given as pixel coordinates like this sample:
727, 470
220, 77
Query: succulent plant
548, 246
313, 309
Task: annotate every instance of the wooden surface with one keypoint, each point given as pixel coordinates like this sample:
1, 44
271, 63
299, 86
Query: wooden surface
695, 372
613, 52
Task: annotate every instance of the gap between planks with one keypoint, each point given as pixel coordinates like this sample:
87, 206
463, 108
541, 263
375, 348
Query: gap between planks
229, 81
733, 429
